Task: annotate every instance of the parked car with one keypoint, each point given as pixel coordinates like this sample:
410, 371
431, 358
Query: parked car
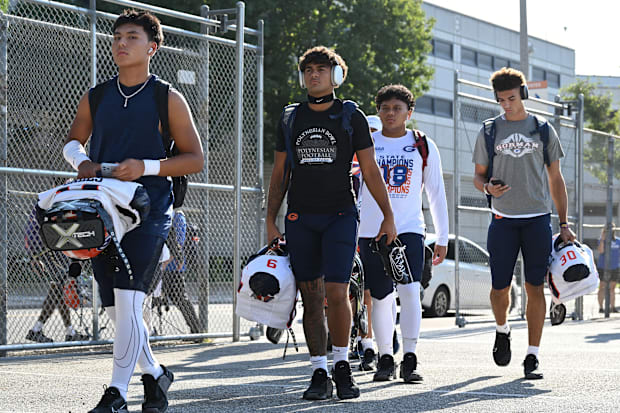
475, 279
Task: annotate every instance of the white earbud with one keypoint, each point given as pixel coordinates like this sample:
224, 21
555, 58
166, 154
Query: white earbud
150, 50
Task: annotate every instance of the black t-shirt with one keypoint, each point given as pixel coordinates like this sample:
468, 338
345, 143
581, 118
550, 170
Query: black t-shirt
322, 152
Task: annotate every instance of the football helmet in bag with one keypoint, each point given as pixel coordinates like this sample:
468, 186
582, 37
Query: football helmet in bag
571, 273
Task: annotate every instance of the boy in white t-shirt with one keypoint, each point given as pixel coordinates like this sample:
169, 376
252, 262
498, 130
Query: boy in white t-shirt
405, 174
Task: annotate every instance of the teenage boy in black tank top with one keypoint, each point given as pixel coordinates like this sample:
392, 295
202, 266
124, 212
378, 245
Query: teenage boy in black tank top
141, 157
321, 223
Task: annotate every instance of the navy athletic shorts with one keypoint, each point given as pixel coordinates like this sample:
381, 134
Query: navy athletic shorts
143, 250
377, 280
509, 235
322, 245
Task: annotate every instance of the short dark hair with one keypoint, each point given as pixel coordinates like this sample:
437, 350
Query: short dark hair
399, 92
507, 78
144, 19
322, 55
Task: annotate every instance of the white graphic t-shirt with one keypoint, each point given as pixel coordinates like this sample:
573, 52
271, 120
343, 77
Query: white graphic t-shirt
519, 162
401, 165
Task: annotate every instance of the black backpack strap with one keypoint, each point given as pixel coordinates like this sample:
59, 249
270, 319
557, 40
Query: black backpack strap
95, 95
162, 89
348, 108
542, 128
287, 120
489, 141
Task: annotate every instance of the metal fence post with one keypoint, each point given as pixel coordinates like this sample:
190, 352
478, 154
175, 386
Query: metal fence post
260, 58
4, 26
93, 82
238, 163
460, 321
609, 222
204, 289
579, 188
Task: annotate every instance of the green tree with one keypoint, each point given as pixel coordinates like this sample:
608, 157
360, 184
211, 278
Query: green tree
598, 115
382, 41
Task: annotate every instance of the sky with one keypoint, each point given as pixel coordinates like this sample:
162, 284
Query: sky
585, 26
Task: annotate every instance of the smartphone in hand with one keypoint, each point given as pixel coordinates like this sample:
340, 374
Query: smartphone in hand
497, 182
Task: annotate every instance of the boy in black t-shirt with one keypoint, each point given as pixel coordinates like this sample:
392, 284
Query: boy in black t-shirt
313, 163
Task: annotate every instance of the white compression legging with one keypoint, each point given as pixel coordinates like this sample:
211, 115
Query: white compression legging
383, 319
131, 340
410, 315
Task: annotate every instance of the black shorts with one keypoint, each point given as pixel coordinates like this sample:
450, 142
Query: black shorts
143, 250
614, 275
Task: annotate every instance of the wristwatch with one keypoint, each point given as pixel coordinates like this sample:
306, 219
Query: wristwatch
485, 190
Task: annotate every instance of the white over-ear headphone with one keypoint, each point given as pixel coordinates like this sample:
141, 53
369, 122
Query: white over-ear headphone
337, 76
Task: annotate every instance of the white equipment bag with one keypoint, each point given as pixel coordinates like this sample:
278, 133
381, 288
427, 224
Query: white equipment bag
267, 293
571, 272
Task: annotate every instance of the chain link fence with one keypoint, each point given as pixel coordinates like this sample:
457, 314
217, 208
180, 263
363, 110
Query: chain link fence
51, 51
475, 103
601, 212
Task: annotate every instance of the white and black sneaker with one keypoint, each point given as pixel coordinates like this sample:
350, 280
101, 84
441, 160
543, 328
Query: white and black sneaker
111, 402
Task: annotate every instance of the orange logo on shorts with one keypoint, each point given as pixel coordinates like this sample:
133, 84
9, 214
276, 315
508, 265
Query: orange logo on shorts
498, 216
292, 216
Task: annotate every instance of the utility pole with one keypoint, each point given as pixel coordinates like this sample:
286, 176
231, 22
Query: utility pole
524, 49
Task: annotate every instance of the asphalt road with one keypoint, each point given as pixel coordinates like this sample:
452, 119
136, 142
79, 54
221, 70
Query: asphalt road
580, 360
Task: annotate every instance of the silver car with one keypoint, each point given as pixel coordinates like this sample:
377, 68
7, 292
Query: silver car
475, 279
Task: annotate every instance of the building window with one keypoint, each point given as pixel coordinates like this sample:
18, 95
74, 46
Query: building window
442, 49
499, 62
434, 106
468, 56
424, 104
442, 107
538, 74
485, 61
552, 78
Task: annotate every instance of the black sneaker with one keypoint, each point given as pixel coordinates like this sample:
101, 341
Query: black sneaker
368, 360
38, 337
501, 349
77, 337
321, 386
386, 369
346, 387
111, 402
530, 368
408, 369
156, 391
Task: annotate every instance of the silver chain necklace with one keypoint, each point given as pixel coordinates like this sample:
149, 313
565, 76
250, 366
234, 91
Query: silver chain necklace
127, 97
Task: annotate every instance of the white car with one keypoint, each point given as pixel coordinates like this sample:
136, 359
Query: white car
475, 279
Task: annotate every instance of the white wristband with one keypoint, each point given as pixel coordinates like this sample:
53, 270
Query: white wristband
151, 167
74, 153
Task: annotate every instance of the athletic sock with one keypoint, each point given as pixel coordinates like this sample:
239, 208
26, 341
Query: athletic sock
503, 329
410, 315
383, 323
318, 362
367, 344
38, 326
340, 354
532, 350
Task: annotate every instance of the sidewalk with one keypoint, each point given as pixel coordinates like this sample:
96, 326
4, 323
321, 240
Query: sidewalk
580, 361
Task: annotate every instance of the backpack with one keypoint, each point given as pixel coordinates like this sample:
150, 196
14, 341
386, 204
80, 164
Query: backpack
179, 183
542, 128
422, 145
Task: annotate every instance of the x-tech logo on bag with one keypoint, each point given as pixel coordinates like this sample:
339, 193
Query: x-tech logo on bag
517, 145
